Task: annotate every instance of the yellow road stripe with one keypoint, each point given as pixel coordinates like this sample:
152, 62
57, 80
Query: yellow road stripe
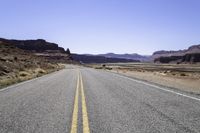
74, 124
75, 111
86, 128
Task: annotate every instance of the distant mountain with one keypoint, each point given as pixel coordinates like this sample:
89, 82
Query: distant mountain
87, 58
134, 56
190, 55
191, 49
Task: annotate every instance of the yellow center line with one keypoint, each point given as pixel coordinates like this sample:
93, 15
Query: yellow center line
74, 124
75, 111
86, 128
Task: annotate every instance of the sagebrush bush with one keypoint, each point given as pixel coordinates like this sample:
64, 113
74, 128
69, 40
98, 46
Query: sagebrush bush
23, 74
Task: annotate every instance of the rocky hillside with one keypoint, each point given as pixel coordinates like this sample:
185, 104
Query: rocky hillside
18, 65
134, 56
190, 55
38, 45
41, 48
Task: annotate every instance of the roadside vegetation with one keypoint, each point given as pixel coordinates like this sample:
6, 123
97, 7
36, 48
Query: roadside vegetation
99, 66
17, 65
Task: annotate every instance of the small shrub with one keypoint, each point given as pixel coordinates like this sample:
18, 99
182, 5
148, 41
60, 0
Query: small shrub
103, 65
98, 67
23, 74
108, 68
40, 71
15, 58
183, 74
173, 74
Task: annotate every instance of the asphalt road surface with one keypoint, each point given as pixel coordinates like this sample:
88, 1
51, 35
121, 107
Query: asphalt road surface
86, 100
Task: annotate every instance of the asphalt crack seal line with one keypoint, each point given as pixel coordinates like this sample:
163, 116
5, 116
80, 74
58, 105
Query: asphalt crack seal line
74, 124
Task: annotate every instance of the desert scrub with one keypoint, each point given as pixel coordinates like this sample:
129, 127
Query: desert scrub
23, 74
109, 68
98, 67
8, 81
19, 76
39, 72
183, 74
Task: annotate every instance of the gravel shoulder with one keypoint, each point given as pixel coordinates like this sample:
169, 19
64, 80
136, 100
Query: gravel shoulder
187, 84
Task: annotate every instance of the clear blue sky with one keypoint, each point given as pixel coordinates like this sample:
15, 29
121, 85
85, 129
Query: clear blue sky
101, 26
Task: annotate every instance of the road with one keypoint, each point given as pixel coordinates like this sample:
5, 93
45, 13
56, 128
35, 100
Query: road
79, 99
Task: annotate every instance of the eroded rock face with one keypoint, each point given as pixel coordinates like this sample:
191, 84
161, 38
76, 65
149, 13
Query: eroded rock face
190, 55
191, 49
38, 45
40, 48
187, 58
168, 59
192, 58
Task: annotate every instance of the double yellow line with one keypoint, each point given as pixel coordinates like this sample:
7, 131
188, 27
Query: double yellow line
74, 125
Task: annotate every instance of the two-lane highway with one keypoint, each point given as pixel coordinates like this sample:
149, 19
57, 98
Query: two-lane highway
87, 100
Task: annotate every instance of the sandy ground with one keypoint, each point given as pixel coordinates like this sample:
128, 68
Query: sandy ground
189, 83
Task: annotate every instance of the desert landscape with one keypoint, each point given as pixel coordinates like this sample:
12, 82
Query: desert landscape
22, 60
100, 66
18, 64
184, 77
175, 69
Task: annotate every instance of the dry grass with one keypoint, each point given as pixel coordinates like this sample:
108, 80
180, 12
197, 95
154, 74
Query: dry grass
40, 71
24, 75
17, 65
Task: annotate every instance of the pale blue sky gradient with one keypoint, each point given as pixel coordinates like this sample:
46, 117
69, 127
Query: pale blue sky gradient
101, 26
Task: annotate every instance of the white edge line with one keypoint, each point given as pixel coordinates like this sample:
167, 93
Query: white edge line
155, 86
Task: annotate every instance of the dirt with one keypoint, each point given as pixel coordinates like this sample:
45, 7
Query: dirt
184, 77
183, 83
17, 65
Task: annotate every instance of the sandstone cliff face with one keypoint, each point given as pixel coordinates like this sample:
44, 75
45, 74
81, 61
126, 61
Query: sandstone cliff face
41, 48
38, 45
190, 55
